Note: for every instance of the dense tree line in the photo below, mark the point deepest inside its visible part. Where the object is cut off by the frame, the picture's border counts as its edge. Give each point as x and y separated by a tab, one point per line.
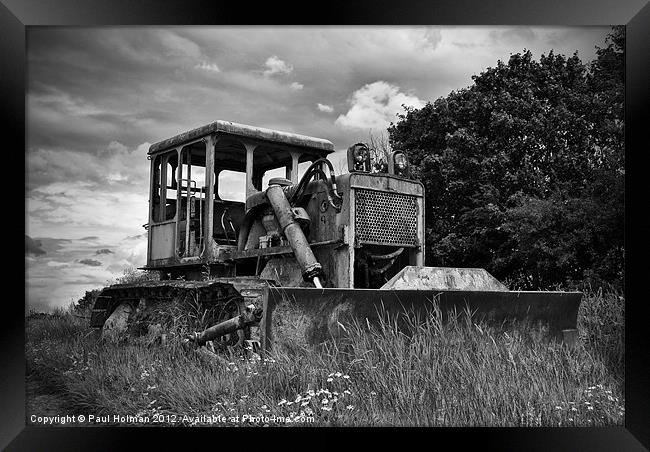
524	169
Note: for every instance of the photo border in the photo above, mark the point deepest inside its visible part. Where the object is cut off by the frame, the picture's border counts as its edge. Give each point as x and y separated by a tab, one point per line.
16	15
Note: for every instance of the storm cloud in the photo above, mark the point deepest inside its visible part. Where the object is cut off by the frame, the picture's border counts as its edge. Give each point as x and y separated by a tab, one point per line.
90	262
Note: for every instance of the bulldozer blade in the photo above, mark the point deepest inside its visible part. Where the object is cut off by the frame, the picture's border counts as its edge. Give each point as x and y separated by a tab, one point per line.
323	313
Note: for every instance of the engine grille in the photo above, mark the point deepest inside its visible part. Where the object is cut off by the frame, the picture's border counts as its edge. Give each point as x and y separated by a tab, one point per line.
386	218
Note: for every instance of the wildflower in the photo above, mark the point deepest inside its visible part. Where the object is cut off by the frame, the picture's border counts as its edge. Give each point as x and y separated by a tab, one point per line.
346	376
282	402
558	407
264	407
350	407
244	396
329	380
324	401
373	393
327	408
338	374
331	375
590	408
347	392
304	403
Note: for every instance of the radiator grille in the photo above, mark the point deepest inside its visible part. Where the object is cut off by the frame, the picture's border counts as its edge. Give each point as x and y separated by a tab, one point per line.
386	218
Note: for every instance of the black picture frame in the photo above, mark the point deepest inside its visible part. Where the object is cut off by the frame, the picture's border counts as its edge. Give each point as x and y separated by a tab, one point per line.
17	15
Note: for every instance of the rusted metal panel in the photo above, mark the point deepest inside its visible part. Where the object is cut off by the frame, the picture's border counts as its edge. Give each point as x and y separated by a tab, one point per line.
162	240
231	128
444	278
322	311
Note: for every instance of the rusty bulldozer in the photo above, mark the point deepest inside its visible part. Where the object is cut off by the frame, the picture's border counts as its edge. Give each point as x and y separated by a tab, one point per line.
331	248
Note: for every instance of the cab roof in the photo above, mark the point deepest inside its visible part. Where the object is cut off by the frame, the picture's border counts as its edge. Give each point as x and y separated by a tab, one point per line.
271	137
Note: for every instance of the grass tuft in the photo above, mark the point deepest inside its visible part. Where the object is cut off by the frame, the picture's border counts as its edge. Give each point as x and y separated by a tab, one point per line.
454	374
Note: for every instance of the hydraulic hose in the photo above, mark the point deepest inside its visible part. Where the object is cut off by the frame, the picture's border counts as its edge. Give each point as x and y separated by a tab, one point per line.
315	168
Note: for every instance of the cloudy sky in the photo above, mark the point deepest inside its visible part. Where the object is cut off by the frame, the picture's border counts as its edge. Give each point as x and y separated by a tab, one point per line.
98	97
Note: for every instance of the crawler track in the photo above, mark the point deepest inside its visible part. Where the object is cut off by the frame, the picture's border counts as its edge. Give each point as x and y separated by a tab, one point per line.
221	298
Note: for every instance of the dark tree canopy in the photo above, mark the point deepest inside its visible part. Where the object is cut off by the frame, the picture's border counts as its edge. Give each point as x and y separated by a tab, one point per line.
524	169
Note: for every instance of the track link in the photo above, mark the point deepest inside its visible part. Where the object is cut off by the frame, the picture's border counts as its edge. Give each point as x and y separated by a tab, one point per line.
205	293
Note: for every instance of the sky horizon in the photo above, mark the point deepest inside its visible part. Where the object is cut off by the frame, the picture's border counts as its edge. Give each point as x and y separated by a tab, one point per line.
97	98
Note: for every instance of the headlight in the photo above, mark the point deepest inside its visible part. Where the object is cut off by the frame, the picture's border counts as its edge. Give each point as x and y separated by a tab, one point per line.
398	164
359	158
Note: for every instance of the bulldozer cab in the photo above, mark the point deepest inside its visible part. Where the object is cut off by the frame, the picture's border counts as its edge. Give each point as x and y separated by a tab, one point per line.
200	181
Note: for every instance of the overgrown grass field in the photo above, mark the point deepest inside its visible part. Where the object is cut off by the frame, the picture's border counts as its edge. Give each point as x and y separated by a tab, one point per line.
453	374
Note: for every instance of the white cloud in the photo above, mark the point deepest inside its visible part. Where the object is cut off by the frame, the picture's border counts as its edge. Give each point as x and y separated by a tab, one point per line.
375	105
325	108
276	66
115	147
206	66
296	86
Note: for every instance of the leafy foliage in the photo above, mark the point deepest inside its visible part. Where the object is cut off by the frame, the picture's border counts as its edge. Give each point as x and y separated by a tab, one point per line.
524	169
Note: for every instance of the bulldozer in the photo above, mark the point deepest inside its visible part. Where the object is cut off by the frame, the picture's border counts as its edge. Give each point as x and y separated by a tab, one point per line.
252	223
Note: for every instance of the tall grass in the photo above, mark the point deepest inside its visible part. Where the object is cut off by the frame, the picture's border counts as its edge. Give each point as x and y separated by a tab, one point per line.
452	374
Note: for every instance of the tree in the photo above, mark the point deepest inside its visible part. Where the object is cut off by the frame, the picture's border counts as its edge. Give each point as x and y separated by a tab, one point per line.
524	169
